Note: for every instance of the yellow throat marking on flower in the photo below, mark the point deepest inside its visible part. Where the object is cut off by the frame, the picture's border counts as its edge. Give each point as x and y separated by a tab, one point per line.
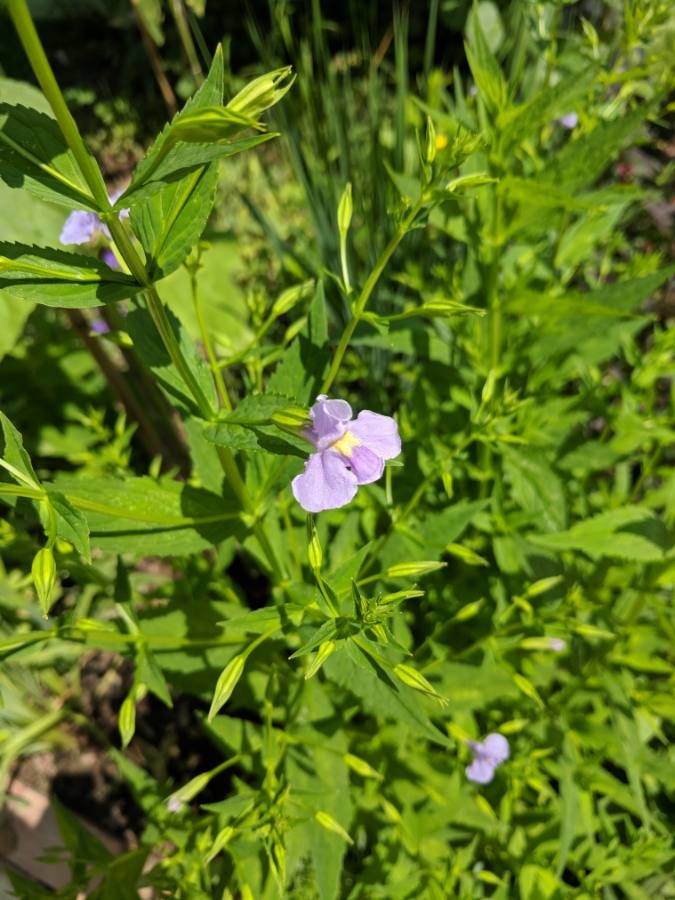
346	444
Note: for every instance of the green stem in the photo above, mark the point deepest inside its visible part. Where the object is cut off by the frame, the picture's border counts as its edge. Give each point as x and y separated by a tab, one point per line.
183	27
23	23
208	343
21	17
362	300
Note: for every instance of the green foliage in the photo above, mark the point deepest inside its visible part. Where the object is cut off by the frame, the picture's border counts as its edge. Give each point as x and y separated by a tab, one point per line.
451	253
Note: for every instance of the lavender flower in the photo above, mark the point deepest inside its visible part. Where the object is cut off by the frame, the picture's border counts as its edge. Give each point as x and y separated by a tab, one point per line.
557	644
487	755
350	452
81	226
569	120
100	326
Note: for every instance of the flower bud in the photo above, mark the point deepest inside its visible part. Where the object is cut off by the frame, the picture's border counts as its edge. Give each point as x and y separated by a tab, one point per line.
221	840
414	679
345	210
293	419
263	92
314	551
414	569
330	824
43	571
360	766
226	684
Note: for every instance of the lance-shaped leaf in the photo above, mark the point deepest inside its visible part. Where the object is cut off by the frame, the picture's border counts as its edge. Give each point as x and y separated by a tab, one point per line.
205	130
34	155
57	278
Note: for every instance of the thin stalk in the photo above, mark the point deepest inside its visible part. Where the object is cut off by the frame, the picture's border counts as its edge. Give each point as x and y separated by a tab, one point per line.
362	300
30	40
23	23
208	344
182	24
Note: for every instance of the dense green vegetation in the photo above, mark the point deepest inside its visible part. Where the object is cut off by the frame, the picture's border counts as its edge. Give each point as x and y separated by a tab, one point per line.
456	217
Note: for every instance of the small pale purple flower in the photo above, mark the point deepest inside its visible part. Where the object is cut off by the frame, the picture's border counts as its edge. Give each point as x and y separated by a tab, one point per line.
174	804
557	644
350	452
569	120
100	326
487	755
81	226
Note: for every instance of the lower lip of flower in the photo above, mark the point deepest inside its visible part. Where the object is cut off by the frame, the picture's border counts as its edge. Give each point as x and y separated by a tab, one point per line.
345	445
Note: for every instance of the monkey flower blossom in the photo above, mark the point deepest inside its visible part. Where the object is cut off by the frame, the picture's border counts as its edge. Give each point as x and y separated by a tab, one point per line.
82	226
487	755
349	452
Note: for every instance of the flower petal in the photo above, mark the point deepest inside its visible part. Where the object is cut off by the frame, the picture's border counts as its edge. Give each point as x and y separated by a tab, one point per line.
326	483
79	227
330	418
377	433
496	747
481	771
366	465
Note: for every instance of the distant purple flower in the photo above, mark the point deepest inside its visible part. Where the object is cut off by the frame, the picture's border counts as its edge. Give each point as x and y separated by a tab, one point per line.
557	644
487	755
81	226
350	452
569	120
100	326
174	804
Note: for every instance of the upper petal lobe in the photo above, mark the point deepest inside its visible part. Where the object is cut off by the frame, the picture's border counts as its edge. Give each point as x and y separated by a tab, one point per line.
378	433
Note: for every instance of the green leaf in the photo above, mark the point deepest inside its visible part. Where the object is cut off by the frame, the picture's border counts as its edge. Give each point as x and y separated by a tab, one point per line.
247	427
151	14
616	300
149	673
34	156
378	692
535	487
71	525
440	528
582	161
301	370
170	223
629	532
520	122
141	516
484	66
150	347
120	877
210	93
58	278
12	451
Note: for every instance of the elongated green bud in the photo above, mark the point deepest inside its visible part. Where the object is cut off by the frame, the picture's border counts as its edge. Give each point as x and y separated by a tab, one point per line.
400	596
290	297
322	654
221	840
418	682
43	571
263	92
126	720
294	419
226	684
314	551
345	210
361	767
414	569
432	145
326	821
